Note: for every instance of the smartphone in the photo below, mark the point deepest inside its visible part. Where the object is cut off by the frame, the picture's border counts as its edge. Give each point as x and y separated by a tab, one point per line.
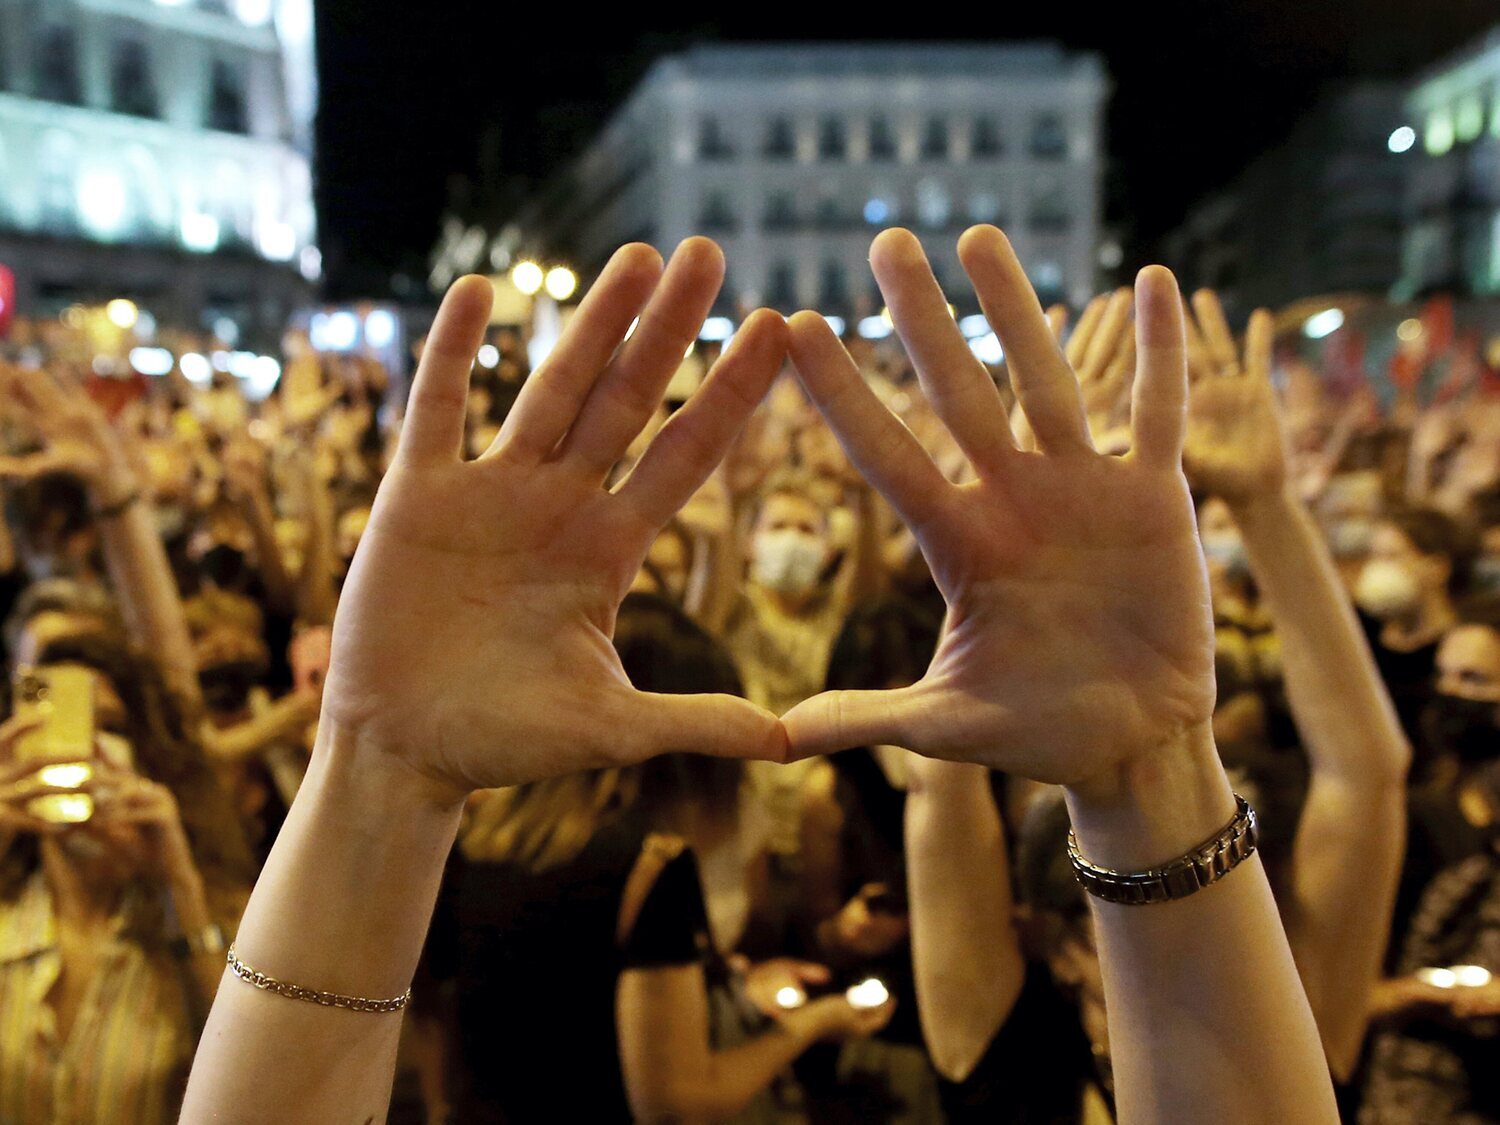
60	697
1455	976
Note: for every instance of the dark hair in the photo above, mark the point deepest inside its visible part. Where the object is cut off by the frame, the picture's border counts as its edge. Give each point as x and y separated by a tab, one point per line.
664	650
54	505
59	595
1433	533
886	640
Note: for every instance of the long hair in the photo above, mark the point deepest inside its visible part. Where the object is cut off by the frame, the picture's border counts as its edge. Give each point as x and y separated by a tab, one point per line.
545	824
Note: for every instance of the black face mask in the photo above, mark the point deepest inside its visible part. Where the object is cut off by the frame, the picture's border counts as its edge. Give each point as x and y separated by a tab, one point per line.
226	687
224	566
1462	727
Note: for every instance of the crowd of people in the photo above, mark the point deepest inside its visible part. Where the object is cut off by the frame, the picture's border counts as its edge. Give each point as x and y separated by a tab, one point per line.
734	740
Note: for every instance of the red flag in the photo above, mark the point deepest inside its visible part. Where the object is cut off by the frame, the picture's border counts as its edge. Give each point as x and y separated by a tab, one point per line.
7	299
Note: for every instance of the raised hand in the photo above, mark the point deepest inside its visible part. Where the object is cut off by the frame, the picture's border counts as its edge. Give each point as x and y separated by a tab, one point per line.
76	435
1234	447
499	579
1078	632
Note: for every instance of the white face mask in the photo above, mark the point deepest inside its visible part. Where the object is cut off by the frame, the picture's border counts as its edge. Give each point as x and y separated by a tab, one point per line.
788	561
1386	589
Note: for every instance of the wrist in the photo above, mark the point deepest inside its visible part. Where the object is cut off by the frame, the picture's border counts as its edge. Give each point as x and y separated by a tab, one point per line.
1153	808
356	769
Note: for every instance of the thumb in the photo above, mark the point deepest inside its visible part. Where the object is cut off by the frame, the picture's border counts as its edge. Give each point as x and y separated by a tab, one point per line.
838	720
723	726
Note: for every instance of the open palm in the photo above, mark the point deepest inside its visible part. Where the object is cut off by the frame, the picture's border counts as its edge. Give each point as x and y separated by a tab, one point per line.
1078	630
500	578
1234	447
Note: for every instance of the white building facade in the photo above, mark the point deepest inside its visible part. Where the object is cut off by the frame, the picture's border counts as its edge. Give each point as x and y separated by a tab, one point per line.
1452	140
793	157
161	150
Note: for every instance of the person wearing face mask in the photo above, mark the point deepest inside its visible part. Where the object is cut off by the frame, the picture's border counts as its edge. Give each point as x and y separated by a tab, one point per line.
780	632
1405	593
1434	1049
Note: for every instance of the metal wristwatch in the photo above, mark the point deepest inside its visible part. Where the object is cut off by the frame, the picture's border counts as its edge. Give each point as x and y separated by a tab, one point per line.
1199	867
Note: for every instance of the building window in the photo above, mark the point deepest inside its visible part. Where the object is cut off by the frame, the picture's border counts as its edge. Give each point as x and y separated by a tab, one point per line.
226	99
781	212
717	216
781	140
833	286
935	139
57	181
882	140
712	143
985	143
829	214
1049	139
1049	217
131	88
57	67
933	208
781	286
832	142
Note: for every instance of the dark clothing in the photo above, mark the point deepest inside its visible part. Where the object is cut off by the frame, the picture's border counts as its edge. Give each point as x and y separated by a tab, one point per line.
532	964
1036	1068
1437	837
1434	1067
1410	677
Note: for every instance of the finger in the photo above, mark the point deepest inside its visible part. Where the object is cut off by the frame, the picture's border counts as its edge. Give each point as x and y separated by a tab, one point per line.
1217	338
1043	381
956	384
722	726
697	437
551	399
1057	320
840	720
809	973
1158	413
1200	366
435	412
630	390
1259	340
1113	324
881	448
1083	332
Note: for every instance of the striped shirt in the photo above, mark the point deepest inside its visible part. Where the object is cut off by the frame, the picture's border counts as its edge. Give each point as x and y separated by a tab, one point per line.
126	1057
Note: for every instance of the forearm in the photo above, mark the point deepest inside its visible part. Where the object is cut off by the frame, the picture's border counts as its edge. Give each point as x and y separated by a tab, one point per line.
147	592
280	590
203	968
1347	854
342	905
731	1079
1202	994
316	600
965	949
1341	707
255	734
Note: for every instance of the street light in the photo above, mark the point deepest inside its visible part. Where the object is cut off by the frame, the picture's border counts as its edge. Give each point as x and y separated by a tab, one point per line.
122	313
527	277
561	283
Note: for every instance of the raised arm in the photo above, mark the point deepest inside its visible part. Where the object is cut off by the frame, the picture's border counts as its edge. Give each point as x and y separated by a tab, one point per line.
80	440
472	650
1078	650
1346	860
964	943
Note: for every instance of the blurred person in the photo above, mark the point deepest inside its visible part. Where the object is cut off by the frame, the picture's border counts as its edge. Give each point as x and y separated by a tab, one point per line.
1435	1043
112	931
1406	590
852	907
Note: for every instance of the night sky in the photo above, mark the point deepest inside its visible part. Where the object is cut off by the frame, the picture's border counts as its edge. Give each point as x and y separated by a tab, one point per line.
417	96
